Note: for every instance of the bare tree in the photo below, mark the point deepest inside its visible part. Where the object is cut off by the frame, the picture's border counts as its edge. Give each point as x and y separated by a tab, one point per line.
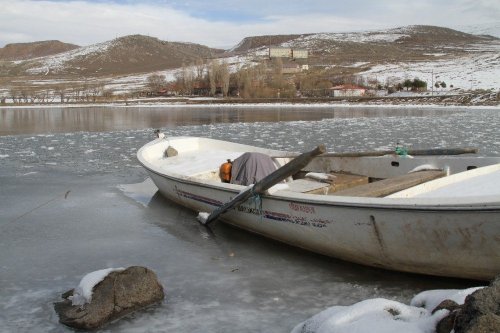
14	93
96	90
43	95
77	92
155	82
187	79
224	77
200	68
239	80
25	93
107	93
59	90
213	76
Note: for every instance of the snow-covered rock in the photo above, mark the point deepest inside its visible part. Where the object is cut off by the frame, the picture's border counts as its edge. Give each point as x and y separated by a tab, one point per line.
108	294
386	316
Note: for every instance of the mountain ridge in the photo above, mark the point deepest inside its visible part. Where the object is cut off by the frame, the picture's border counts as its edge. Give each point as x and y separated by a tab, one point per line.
24	51
127	54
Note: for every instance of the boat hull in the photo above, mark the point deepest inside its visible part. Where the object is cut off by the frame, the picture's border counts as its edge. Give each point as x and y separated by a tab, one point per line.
455	240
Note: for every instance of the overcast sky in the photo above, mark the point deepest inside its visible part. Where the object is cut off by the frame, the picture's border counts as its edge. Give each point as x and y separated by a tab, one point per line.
223	23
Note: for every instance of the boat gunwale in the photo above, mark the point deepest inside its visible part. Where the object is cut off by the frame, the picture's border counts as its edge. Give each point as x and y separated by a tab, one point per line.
400	204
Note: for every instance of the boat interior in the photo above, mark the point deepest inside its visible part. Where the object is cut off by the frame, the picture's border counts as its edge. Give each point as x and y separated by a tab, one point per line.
380	176
345	184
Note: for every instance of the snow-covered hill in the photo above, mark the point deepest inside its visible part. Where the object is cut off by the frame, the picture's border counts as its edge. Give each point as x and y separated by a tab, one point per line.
129	54
459	59
469	72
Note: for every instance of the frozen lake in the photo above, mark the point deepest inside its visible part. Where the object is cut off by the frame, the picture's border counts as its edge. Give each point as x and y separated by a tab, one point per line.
73	200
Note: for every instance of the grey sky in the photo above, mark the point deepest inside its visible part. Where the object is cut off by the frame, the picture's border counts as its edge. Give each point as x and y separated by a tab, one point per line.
223	23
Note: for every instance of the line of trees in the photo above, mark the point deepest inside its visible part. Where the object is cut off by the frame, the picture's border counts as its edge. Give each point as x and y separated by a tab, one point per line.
265	80
415	84
441	84
64	93
213	78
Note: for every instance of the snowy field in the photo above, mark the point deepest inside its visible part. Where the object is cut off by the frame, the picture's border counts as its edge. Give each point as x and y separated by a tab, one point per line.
475	71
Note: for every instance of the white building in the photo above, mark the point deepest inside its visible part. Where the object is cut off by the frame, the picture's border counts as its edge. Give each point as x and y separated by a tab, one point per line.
347	90
280	52
299	54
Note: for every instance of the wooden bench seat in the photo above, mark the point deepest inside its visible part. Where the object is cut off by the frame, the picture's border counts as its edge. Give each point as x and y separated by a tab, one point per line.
307	186
392	185
345	181
340	182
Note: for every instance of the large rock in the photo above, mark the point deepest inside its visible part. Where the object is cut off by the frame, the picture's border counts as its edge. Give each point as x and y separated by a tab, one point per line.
445	325
118	294
480	312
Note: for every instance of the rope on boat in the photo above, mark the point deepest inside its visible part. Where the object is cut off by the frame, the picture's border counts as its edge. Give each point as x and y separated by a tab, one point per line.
401	150
257	201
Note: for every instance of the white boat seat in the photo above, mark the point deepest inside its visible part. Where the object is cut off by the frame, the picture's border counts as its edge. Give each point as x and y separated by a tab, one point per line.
197	163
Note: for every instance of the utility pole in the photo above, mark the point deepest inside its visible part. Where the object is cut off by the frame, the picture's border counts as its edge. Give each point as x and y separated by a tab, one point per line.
432	83
269	46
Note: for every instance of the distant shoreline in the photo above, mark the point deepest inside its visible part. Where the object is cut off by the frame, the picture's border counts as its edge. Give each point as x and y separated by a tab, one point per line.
217	103
489	99
470	99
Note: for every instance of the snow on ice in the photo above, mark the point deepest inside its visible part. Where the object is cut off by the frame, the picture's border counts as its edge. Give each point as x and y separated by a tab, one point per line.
384	316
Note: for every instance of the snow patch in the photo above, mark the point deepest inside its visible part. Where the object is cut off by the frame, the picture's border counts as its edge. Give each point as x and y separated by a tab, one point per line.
59	61
385	316
83	293
29	173
435	54
430	299
278	187
320	176
479	70
202	217
374	316
423	167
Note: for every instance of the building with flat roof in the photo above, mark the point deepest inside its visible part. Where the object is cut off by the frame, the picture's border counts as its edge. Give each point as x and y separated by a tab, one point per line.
280	52
300	54
347	90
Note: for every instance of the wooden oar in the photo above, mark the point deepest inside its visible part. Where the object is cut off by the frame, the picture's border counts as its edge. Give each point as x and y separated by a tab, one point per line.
413	152
265	183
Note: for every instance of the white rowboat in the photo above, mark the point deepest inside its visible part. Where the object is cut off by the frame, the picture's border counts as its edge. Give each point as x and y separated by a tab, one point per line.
444	220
